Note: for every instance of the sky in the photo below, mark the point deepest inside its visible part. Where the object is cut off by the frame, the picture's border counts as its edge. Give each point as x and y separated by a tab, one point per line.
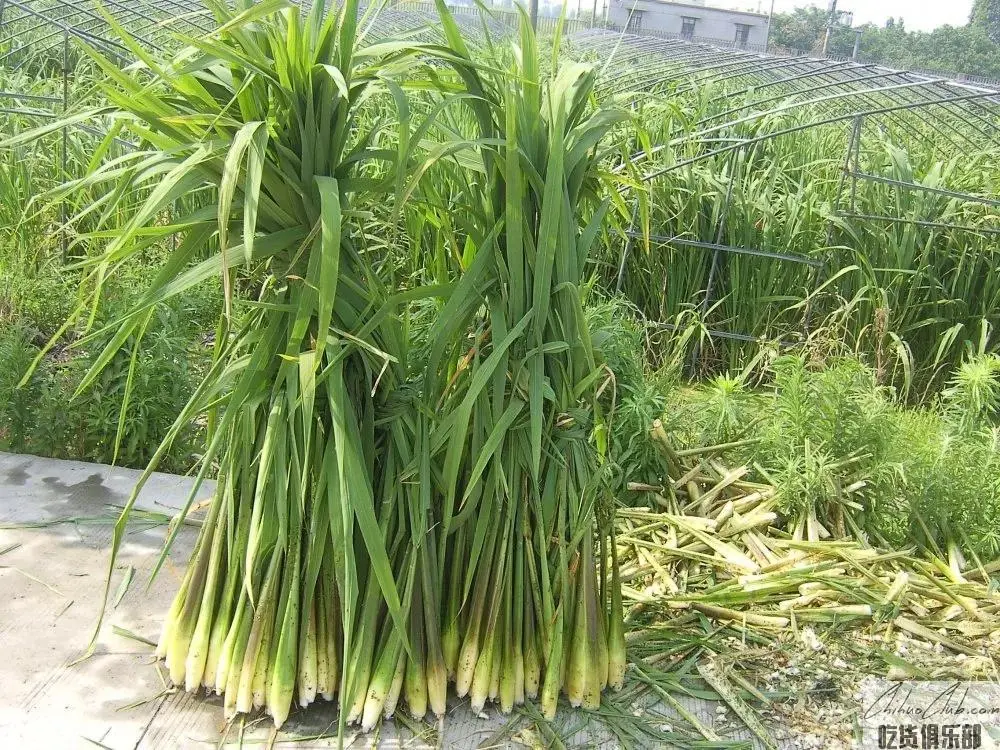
920	15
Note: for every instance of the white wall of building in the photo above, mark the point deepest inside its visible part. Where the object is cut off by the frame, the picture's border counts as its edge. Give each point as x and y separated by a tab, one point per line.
658	17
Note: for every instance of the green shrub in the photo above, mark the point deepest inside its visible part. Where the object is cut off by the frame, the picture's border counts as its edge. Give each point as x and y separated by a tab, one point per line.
43	418
35	302
949	484
16	405
633	395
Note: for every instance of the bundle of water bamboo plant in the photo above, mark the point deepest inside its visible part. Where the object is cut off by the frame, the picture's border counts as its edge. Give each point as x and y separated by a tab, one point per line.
527	611
379	525
305	565
714	542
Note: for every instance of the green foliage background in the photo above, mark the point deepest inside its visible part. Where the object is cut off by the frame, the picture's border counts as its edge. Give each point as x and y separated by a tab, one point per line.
973	49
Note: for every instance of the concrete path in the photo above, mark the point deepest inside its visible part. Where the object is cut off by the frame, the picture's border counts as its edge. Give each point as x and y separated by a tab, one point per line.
55	531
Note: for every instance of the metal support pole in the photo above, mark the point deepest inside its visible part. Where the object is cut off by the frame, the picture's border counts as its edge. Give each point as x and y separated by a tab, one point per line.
65	140
716	255
629	236
853	147
857	44
855	137
856	165
829	25
767	34
628	244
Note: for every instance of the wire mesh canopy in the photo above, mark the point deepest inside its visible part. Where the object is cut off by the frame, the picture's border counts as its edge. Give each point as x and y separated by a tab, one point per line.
725	104
39	26
751	86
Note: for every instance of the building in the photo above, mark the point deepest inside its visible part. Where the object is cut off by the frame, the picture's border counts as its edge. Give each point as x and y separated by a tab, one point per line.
690	20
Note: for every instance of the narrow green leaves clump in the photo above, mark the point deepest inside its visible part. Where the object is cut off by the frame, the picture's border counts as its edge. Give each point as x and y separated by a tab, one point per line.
383	522
301	560
525	427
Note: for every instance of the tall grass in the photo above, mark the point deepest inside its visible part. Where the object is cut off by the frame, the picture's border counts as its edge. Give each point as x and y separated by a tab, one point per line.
908	295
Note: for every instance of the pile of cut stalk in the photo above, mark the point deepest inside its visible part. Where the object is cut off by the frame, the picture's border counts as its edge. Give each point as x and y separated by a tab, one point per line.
384	524
714	543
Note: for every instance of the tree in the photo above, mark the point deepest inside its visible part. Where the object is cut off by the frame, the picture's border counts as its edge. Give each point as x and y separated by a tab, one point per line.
972	49
986	16
804	28
799	29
